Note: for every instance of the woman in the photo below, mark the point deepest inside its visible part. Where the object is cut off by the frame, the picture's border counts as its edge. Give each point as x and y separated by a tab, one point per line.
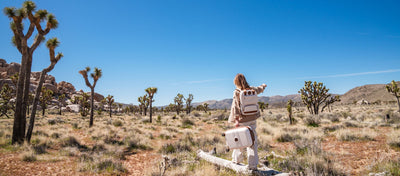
242	120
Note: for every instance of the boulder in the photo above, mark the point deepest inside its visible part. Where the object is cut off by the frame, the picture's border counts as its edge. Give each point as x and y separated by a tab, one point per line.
65	88
97	97
3	63
13	68
73	107
6	81
50	87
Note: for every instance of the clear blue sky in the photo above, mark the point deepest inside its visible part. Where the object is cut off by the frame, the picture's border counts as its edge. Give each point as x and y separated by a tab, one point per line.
198	47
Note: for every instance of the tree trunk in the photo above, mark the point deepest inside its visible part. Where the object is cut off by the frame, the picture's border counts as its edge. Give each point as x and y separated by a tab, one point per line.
34	107
239	168
26	88
110	110
398	102
60	110
27	109
43	109
151	110
19	120
91	107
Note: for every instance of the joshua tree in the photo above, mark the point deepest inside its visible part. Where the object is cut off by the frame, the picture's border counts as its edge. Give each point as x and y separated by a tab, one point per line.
83	102
110	101
5	100
146	103
200	107
261	105
47	95
395	90
20	41
178	102
330	101
205	107
51	44
314	95
141	104
120	105
61	101
170	108
96	75
289	109
151	91
189	103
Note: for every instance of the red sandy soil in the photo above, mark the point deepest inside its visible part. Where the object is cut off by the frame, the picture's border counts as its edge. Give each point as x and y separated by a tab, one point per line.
354	156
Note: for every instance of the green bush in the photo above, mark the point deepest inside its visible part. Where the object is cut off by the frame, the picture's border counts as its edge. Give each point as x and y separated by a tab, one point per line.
186	123
117	123
29	157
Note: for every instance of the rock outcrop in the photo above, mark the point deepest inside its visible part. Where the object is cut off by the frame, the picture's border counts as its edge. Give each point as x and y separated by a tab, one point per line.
63	87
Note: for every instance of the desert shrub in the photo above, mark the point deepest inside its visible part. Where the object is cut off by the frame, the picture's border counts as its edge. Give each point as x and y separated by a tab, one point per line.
117	123
346	114
301	115
312	121
40	148
171	129
145	120
307	159
278	117
307	146
394	118
98	148
55	135
175	147
110	166
28	156
168	149
348	135
100	163
52	121
71	141
220	116
187	123
55	121
333	117
111	139
158	118
388	166
40	133
286	137
394	139
350	124
205	141
75	126
332	128
196	114
69	151
266	131
134	143
165	136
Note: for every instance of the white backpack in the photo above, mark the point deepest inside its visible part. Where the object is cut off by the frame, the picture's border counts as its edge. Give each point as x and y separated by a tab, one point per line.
248	102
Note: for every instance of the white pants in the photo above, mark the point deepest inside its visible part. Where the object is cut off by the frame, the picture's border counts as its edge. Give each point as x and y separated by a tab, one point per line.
252	155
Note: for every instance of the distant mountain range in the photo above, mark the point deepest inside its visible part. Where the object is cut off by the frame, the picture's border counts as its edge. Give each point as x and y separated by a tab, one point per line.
371	93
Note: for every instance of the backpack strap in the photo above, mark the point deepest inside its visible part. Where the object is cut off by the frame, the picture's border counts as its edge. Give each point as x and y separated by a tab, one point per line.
252	135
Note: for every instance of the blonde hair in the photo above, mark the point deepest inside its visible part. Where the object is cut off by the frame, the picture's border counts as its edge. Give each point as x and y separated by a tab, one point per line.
240	82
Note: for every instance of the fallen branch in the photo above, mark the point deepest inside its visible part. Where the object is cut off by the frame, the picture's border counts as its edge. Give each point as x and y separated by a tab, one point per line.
239	168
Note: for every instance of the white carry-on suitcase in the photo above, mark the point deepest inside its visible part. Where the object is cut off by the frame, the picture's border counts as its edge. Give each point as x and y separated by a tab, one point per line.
240	137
